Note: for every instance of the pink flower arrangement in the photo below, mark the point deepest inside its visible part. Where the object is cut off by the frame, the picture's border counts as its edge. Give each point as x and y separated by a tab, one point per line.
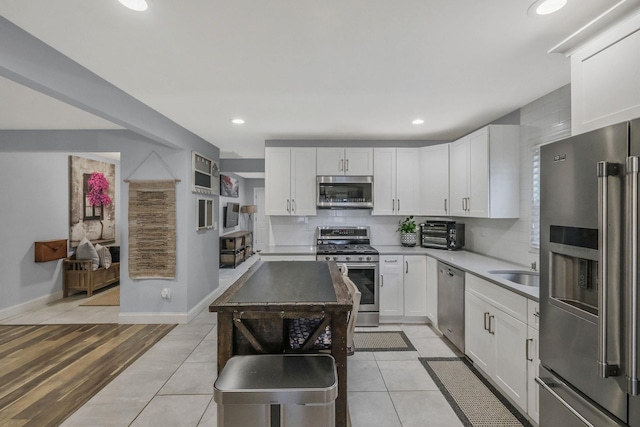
98	188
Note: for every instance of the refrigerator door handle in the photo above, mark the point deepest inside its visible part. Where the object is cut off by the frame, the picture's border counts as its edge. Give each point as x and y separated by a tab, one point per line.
549	388
605	169
632	273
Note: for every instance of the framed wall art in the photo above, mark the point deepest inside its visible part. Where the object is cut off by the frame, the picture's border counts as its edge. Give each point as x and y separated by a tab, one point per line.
229	187
91	200
206	219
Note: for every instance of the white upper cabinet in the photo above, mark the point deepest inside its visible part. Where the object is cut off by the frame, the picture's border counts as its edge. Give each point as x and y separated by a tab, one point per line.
345	161
396	184
605	88
484	173
384	181
434	180
290	181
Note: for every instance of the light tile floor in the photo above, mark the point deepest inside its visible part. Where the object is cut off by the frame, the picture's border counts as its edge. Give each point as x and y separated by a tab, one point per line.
172	384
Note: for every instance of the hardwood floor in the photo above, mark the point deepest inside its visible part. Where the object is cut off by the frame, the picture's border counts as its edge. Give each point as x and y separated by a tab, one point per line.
48	371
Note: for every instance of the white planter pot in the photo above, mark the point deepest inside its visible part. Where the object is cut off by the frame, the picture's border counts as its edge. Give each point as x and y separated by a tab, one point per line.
409	239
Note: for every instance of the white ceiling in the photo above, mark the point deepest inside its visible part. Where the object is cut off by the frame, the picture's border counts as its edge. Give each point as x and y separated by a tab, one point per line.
331	69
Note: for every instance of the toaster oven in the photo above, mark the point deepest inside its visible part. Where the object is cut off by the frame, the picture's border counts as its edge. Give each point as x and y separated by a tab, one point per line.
442	235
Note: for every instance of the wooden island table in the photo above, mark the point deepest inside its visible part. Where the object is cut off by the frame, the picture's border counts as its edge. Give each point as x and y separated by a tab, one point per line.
253	313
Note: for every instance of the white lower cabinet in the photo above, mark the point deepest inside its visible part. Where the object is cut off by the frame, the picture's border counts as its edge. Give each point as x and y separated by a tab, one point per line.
495	340
403	287
533	362
391	286
415	286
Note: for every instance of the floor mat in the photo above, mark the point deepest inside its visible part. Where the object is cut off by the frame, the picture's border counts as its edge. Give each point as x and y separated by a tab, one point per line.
382	341
476	402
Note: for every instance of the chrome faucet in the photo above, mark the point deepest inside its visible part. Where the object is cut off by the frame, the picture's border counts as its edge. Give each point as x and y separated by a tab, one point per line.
534	266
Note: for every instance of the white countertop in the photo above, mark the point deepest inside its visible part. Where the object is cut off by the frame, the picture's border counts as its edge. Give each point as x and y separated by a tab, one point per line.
473	263
289	250
470	262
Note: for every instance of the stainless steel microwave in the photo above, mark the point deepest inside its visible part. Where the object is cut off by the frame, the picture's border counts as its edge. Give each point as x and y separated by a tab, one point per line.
345	192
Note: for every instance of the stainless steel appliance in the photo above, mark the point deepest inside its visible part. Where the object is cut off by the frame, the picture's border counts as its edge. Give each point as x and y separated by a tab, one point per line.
589	279
442	235
451	303
345	192
351	246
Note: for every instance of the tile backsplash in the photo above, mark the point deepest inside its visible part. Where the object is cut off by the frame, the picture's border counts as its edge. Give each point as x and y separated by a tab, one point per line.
544	120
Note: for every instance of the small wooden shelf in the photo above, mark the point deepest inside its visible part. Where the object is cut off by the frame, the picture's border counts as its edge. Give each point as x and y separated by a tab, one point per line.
235	248
50	250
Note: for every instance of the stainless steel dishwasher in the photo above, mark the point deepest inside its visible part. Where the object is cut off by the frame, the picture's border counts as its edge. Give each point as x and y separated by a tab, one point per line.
451	303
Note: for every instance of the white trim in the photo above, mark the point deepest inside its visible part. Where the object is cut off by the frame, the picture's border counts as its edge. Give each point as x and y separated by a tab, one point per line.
172	318
25	307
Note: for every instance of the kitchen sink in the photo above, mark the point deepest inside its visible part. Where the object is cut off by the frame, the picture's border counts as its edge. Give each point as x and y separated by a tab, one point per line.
521	277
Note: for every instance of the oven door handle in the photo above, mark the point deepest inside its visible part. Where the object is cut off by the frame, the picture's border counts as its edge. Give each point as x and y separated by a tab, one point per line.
359	265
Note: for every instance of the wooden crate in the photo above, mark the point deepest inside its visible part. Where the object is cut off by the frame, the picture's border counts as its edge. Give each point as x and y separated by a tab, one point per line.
233	259
233	243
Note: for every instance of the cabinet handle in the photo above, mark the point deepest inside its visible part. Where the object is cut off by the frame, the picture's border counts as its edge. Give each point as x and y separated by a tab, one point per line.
492	331
393	205
341	164
288	206
381	280
536	314
391	260
464	208
406	263
486	320
293	205
445	205
346	165
527	342
398	205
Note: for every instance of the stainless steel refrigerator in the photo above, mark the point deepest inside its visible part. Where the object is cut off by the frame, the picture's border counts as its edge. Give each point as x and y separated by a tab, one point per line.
589	279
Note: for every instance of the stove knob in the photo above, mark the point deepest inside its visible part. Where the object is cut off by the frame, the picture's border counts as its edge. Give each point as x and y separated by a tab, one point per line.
348	258
335	258
361	258
368	258
328	258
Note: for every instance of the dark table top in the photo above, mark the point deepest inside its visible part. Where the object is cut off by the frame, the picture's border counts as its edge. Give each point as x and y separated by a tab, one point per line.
281	285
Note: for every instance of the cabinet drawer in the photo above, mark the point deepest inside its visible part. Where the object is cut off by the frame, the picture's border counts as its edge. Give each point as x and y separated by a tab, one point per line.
511	303
533	314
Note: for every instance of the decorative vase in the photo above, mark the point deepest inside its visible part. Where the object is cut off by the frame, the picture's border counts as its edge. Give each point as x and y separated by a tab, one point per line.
409	239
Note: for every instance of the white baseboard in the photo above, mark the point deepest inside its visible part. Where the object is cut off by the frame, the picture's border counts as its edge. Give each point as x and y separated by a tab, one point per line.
152	318
34	304
171	318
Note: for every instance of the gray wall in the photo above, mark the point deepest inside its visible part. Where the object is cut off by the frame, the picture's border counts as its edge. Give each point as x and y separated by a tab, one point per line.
197	252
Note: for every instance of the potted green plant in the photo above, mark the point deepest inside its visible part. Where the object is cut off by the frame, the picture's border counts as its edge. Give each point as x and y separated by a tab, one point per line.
408	231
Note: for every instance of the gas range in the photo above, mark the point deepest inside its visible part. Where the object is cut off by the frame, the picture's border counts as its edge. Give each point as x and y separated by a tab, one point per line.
352	246
345	244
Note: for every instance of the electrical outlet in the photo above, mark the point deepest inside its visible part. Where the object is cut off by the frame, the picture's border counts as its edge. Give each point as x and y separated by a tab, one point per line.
165	293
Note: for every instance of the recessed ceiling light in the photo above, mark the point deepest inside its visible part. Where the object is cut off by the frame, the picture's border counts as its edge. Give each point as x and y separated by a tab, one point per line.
545	7
137	5
237	121
418	122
